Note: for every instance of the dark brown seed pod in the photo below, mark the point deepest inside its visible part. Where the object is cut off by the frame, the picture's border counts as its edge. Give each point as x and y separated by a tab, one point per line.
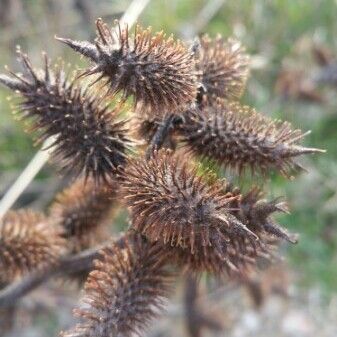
240	255
124	292
256	213
158	71
83	210
223	68
87	137
171	204
238	137
27	242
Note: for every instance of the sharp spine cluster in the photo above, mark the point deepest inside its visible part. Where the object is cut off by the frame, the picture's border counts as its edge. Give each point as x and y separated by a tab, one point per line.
172	205
27	242
124	291
256	213
83	210
223	68
240	138
158	71
88	139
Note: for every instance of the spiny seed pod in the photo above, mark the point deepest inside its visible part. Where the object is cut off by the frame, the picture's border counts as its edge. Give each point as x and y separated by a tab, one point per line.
125	290
240	138
27	242
171	204
240	256
82	210
223	68
158	72
256	213
88	139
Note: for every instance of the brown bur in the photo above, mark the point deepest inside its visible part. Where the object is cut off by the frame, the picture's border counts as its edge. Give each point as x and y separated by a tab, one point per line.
158	71
27	242
88	137
223	68
124	292
238	137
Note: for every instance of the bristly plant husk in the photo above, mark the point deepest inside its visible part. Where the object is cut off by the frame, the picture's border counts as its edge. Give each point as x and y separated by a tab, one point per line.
238	137
124	291
27	242
253	210
170	203
223	68
192	217
88	138
158	71
83	210
255	213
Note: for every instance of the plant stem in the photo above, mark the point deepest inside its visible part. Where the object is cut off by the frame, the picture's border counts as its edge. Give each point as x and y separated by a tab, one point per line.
161	135
66	266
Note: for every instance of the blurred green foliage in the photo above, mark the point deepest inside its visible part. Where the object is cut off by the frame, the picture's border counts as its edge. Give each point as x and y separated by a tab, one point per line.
275	31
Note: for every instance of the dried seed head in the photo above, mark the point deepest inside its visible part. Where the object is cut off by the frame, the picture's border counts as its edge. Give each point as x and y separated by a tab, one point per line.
239	137
158	71
223	68
88	139
171	204
124	292
27	242
82	210
256	213
240	255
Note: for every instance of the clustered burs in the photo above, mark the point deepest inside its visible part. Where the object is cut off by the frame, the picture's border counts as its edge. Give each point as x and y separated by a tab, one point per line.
206	225
169	203
182	217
